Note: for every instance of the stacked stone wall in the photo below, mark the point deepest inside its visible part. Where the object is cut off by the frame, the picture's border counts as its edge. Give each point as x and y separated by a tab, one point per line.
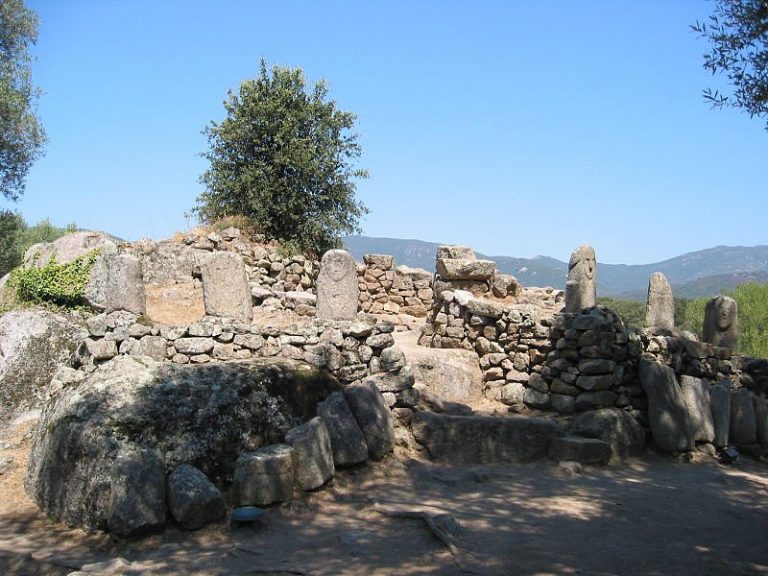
386	289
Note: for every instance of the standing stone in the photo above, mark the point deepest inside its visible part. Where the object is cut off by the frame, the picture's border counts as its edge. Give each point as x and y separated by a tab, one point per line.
743	423
721	323
761	420
581	286
312	454
347	442
697	401
265	476
660	306
720	397
337	287
225	287
373	417
193	499
670	423
137	497
125	285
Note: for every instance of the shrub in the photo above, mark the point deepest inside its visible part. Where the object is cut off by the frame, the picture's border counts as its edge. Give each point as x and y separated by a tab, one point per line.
53	283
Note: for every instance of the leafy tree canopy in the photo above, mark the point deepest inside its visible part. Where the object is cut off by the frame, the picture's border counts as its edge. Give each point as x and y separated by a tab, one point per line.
16	236
21	135
738	33
283	157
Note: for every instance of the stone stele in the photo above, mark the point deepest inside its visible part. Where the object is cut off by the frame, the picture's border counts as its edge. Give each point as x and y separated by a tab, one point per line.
581	286
660	306
337	288
721	323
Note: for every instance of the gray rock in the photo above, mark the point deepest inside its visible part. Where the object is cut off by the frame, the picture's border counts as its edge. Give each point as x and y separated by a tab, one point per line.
68	248
32	344
536	399
202	414
581	285
167	263
312	454
455	252
337	287
265	476
153	346
373	417
562	403
193	499
720	397
597	366
743	428
487	308
660	305
483	439
392	359
582	450
598	382
619	429
392	381
513	393
100	350
347	442
669	419
137	495
592	400
761	420
225	287
721	323
381	261
504	285
696	396
461	269
124	287
193	345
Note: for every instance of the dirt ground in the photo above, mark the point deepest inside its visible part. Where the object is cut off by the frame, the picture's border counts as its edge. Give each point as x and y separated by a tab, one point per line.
651	517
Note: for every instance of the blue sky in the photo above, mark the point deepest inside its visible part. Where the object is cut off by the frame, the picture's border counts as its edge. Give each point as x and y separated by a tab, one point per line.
519	128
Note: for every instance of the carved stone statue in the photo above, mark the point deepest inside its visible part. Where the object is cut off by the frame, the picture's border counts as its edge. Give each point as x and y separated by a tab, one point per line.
581	286
660	306
337	288
721	323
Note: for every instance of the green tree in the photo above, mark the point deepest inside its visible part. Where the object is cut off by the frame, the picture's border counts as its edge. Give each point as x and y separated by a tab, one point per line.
283	157
11	227
21	135
738	34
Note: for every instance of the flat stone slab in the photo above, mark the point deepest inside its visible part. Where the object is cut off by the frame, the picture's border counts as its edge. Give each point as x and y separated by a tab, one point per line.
483	439
583	450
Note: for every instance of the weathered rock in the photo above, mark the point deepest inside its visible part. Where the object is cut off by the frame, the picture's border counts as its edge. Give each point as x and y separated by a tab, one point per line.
381	261
721	323
669	419
581	286
68	248
206	415
137	495
455	252
347	442
193	345
483	440
486	308
561	403
373	417
264	476
761	420
392	381
720	397
505	285
582	450
743	428
619	429
312	454
461	269
338	292
153	346
193	499
660	305
123	288
225	287
592	400
32	344
100	350
696	396
167	263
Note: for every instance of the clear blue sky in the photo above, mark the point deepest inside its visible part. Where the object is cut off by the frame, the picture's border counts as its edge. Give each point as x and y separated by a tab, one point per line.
519	128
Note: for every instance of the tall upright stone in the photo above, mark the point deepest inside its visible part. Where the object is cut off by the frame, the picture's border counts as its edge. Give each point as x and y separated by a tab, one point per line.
660	306
337	288
581	285
721	323
668	415
225	287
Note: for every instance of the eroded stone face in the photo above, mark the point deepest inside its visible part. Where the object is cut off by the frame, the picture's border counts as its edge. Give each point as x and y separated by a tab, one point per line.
660	306
721	323
338	292
581	286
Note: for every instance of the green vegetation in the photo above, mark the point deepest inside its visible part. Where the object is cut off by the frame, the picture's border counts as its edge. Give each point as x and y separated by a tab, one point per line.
632	312
738	35
283	159
21	136
53	283
752	300
16	236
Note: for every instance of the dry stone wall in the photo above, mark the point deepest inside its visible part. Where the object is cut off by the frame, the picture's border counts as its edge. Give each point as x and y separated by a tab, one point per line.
386	289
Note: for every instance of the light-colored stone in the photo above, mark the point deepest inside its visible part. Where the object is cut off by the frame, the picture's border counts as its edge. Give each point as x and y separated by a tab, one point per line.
312	454
347	442
721	323
373	417
660	305
225	287
455	252
581	285
462	269
338	292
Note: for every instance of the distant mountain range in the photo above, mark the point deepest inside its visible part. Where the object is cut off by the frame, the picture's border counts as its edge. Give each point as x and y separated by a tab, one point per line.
695	274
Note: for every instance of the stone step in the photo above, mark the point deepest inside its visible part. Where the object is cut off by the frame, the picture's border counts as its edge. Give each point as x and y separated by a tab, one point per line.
582	450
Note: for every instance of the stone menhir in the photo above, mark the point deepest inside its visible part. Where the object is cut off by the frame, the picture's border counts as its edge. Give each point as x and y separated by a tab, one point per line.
668	414
337	288
312	454
721	323
225	287
116	283
581	286
660	306
349	447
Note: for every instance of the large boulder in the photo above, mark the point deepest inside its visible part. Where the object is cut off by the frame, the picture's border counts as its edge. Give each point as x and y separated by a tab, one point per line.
373	417
617	427
203	415
696	395
68	248
225	287
670	421
32	344
347	442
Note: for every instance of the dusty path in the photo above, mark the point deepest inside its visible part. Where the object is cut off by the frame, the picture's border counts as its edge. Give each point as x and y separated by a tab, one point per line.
652	518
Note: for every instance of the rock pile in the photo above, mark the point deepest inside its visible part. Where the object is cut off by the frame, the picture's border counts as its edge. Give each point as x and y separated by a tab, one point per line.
385	289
